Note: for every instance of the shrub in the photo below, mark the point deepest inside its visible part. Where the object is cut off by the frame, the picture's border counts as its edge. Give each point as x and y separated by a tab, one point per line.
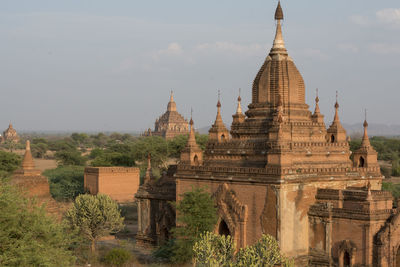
66	182
117	257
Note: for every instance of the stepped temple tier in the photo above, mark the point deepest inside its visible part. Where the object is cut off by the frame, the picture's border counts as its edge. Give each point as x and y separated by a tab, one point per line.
281	171
170	124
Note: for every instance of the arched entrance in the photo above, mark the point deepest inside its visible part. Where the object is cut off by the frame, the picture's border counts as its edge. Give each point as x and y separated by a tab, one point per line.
361	162
332	138
223	229
196	160
346	259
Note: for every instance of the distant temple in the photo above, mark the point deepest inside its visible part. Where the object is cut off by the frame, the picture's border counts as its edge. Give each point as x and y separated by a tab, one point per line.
10	134
281	171
170	124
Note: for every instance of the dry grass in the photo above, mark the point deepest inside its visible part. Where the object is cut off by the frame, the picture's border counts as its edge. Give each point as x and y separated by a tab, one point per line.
45	164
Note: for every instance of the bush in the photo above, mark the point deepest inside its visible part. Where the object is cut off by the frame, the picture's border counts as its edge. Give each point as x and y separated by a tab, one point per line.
9	162
28	236
66	182
117	257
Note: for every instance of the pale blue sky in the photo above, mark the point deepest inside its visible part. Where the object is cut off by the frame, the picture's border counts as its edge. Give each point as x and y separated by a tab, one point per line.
109	65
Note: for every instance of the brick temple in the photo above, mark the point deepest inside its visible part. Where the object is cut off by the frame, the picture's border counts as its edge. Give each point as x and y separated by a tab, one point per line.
281	171
170	124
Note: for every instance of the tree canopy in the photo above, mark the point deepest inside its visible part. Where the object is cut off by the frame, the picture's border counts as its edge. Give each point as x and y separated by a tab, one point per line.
28	237
94	217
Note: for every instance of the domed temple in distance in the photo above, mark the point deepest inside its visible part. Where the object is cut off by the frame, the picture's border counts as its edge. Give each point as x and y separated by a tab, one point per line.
10	134
170	124
281	171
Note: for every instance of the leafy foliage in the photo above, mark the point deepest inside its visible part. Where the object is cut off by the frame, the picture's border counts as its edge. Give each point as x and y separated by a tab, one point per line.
94	217
9	162
392	188
66	182
117	257
39	150
214	250
70	157
28	237
196	214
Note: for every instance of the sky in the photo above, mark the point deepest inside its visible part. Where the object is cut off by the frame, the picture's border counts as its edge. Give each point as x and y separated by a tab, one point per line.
101	65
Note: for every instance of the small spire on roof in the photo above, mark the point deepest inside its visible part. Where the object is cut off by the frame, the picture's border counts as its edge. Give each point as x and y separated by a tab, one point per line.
316	111
171	99
239	106
365	140
336	118
278	41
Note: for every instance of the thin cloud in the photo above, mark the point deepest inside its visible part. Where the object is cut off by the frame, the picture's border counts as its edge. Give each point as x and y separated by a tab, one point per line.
384	48
249	49
360	20
350	48
389	16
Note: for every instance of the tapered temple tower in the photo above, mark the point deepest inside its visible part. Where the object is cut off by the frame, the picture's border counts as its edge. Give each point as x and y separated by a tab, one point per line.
280	171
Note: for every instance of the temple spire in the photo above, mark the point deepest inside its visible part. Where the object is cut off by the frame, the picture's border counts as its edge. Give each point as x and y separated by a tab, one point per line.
316	111
365	140
278	41
192	135
218	119
171	104
27	163
336	118
239	106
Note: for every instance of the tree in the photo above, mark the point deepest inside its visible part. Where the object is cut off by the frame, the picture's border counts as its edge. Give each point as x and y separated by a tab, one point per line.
39	150
70	157
95	217
196	214
29	237
66	182
9	162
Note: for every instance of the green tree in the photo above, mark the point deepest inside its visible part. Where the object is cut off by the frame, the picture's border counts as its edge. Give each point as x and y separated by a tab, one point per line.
29	237
196	215
95	217
70	157
9	162
39	150
66	182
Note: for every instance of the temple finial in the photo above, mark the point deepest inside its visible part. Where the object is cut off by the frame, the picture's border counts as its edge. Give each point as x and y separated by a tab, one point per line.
191	117
278	41
171	99
279	12
219	98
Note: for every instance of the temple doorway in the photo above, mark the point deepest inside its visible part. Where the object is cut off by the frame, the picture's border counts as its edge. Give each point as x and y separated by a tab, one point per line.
361	162
223	229
346	259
